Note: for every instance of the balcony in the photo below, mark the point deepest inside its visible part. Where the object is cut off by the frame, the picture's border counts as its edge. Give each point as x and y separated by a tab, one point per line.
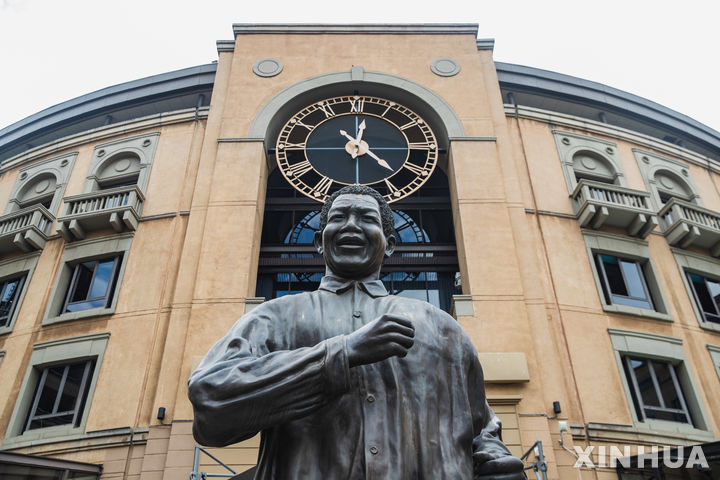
597	204
117	208
25	230
685	224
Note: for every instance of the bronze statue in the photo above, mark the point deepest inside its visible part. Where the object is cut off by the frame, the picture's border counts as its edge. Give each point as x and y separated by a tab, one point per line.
348	382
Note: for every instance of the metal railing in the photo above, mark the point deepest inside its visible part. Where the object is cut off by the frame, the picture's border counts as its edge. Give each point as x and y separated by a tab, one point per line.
35	216
677	210
610	194
96	202
540	466
196	475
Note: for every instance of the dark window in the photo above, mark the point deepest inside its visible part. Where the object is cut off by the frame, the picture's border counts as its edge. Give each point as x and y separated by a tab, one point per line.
707	296
60	395
118	182
9	293
623	281
656	391
423	266
92	284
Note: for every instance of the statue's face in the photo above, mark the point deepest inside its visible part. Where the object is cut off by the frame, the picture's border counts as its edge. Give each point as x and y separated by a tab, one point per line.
353	243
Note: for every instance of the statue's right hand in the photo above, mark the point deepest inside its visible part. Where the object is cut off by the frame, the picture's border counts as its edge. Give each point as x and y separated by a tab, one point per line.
387	336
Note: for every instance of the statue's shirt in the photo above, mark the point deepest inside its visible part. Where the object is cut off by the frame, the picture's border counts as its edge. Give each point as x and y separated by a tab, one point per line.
282	370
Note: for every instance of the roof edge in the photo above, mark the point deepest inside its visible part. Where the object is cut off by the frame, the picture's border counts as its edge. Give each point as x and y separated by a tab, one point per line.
357	28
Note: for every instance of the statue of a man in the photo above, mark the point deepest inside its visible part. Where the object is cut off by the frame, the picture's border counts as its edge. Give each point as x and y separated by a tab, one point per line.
348	382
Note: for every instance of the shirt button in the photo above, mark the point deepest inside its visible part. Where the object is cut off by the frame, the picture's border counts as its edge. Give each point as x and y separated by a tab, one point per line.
356	314
370	398
374	450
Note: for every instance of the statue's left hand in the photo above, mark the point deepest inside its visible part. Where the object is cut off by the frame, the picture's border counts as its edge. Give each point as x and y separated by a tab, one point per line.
504	468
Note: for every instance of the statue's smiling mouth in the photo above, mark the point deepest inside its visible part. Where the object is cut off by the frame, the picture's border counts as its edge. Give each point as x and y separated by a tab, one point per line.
351	242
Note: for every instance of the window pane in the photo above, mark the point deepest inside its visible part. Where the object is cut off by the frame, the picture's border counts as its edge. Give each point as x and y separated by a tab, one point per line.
82	281
667	387
49	391
103	277
51	421
8	292
72	387
76	307
633	278
669	416
614	275
645	383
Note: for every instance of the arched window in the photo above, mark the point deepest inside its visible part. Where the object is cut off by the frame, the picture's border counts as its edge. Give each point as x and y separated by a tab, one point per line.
670	185
39	190
423	265
118	171
589	165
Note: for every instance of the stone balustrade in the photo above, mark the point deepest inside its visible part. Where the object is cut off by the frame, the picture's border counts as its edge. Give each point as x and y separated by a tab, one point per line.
597	204
685	224
25	230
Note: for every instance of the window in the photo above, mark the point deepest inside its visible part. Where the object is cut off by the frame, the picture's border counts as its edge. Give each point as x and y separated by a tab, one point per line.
60	395
623	281
15	275
57	390
9	294
666	179
655	390
702	282
625	276
90	278
92	284
707	296
660	389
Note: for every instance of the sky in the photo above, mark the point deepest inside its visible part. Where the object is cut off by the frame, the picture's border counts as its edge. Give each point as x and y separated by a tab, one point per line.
55	50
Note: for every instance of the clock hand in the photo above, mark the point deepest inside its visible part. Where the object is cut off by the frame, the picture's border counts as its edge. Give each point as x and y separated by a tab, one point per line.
380	161
360	132
354	143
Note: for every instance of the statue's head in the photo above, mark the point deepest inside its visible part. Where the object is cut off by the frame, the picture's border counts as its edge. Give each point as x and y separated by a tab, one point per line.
356	232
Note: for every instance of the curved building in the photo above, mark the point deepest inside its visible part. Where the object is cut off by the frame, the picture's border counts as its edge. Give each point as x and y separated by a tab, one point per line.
572	229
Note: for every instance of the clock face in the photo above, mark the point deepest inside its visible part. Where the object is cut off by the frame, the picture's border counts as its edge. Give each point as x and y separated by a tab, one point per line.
356	139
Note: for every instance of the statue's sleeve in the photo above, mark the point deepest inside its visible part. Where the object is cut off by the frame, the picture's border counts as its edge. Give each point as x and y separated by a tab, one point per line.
487	428
244	384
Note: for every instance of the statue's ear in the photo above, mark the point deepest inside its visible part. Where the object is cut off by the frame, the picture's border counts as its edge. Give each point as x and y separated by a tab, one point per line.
317	241
391	242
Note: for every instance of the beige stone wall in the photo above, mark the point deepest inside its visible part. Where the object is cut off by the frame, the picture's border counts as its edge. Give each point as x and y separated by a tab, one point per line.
193	263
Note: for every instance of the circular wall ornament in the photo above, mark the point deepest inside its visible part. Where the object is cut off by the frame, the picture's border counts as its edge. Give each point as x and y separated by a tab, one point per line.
100	153
122	165
609	150
64	163
267	67
666	182
685	172
146	142
589	163
23	176
42	186
445	67
566	141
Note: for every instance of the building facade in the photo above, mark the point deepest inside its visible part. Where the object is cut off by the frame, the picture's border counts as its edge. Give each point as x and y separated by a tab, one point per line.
573	230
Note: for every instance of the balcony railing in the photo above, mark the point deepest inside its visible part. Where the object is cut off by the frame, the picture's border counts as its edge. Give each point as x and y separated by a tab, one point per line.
117	208
685	224
597	204
25	230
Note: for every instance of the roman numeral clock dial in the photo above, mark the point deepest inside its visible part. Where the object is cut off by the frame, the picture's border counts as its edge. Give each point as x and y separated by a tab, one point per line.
356	140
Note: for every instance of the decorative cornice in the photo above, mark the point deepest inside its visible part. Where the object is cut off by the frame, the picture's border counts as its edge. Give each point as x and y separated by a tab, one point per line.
225	45
70	340
358	28
645	335
485	44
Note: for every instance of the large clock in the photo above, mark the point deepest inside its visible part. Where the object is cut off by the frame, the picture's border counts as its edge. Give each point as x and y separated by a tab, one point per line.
356	140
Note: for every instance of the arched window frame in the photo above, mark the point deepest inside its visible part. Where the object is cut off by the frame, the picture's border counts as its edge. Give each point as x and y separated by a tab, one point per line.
570	144
651	165
141	146
58	167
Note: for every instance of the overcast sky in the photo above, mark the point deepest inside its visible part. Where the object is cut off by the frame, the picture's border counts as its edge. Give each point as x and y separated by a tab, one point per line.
54	50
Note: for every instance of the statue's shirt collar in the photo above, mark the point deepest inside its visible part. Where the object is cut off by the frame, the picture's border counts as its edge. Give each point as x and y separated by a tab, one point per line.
331	283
